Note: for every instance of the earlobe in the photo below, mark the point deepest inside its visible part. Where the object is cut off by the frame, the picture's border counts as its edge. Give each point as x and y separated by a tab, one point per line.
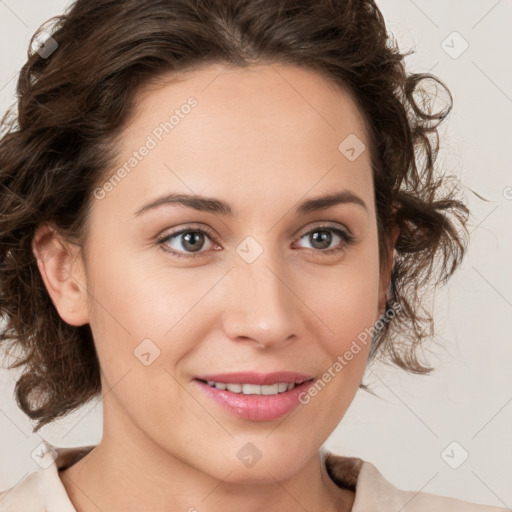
61	268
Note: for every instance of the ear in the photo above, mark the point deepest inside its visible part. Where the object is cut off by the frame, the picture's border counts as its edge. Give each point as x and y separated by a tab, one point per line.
385	277
61	267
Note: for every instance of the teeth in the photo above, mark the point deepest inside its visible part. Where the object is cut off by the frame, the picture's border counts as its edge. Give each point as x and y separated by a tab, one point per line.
253	389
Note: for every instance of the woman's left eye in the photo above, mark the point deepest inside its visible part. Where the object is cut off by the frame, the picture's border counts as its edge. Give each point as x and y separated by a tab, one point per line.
188	242
321	238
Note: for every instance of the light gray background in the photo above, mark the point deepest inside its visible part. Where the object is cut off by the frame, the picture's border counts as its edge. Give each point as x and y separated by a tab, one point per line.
468	399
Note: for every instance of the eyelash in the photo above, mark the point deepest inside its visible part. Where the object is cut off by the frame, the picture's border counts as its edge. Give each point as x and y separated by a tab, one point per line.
347	238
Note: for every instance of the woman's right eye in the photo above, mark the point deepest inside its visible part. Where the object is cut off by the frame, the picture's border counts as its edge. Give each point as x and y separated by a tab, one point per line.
184	240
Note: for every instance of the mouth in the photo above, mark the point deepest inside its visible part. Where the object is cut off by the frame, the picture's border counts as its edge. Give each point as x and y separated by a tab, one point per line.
256	397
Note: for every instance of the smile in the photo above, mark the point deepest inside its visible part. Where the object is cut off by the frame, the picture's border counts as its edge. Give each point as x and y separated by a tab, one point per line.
254	396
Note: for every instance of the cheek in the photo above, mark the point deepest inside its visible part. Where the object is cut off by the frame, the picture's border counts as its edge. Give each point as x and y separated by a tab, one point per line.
133	301
350	315
347	306
126	297
345	298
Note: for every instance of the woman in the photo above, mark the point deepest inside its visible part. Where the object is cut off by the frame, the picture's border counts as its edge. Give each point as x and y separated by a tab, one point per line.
215	213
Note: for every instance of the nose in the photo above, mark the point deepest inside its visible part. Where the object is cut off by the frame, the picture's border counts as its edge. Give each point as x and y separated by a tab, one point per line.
262	308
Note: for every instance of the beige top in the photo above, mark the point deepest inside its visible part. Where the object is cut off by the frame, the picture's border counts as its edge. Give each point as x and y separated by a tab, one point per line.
43	491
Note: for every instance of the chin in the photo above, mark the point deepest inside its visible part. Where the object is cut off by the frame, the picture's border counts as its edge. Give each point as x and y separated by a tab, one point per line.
253	466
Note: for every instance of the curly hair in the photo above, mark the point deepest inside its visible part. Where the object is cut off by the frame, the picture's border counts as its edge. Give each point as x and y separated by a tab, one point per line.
74	102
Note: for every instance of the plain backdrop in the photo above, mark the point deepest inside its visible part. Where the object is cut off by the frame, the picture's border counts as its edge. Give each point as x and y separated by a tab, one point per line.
419	427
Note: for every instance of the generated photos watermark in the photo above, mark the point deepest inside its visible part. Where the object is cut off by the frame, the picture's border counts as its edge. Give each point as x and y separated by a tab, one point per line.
152	140
344	359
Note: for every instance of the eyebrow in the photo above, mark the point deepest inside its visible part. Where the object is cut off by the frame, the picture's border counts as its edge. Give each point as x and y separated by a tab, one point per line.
217	206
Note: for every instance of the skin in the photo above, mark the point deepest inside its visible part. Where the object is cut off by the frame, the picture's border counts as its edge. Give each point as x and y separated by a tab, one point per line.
262	139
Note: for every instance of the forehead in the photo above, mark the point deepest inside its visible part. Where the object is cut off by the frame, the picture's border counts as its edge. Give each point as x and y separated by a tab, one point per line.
218	130
274	96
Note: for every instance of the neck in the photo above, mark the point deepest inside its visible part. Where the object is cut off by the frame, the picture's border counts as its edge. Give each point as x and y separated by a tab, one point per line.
129	472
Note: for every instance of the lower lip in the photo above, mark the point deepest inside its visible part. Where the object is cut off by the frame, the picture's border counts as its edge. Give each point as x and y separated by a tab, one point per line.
257	407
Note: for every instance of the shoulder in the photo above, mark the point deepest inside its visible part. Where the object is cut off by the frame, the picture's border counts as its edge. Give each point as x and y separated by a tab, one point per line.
43	490
373	492
27	495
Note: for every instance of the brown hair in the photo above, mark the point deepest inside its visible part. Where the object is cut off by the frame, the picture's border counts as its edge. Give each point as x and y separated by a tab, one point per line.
74	102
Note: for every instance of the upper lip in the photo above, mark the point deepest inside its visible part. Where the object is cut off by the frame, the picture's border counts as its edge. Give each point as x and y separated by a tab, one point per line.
261	379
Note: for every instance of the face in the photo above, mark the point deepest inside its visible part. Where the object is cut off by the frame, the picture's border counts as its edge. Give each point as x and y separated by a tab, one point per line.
256	279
